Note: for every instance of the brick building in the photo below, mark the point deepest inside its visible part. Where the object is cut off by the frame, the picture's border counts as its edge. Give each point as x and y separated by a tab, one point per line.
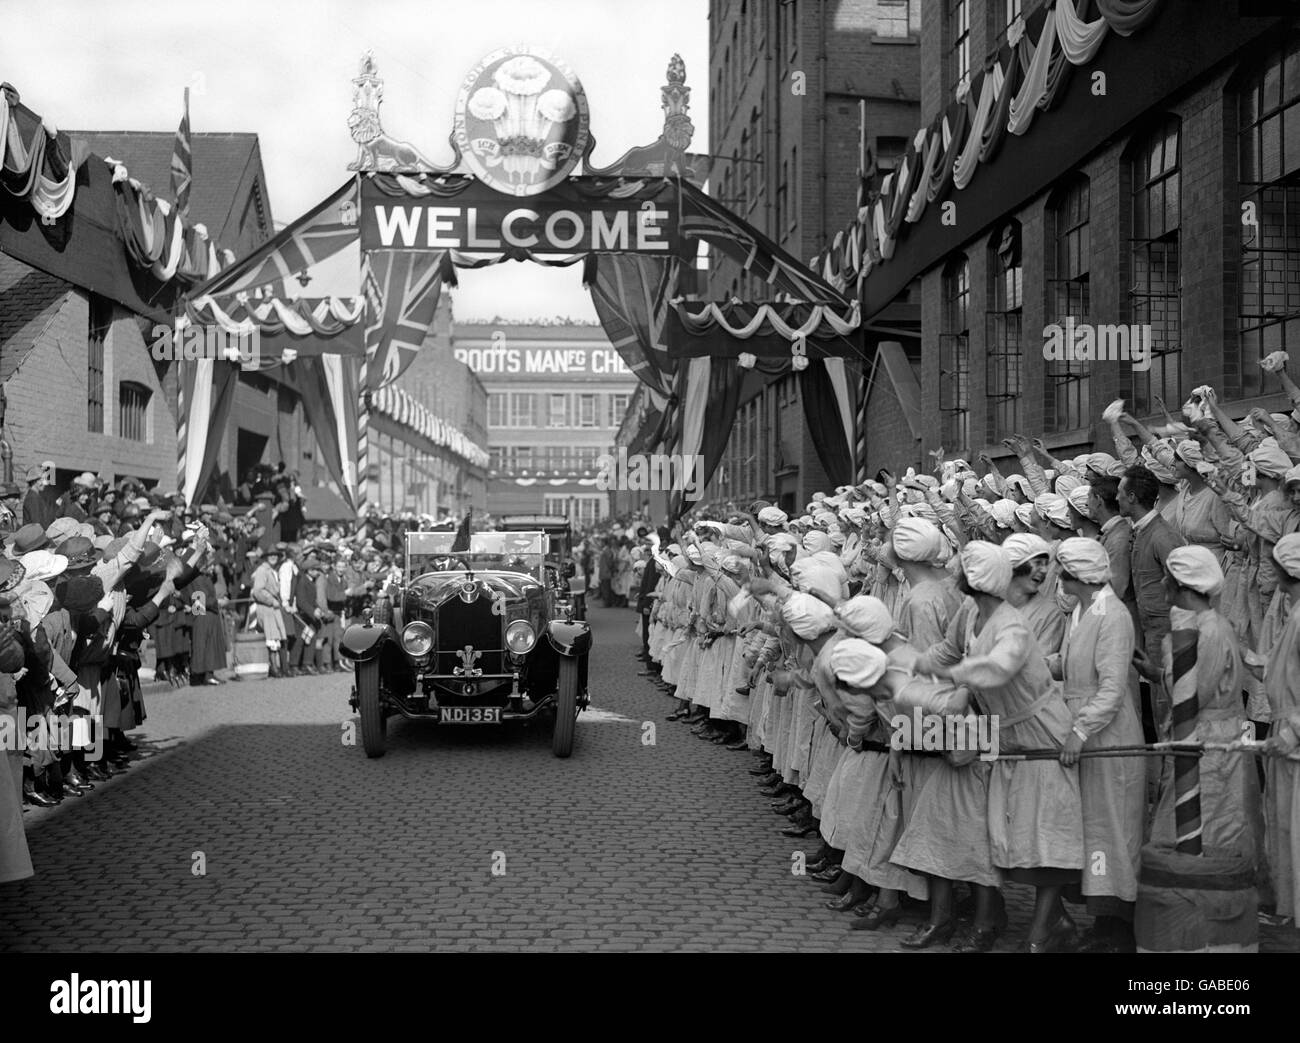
802	96
229	196
557	394
1157	190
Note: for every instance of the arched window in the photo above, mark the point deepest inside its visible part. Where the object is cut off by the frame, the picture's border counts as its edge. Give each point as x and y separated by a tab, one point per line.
1004	331
1069	263
1155	296
954	356
1269	172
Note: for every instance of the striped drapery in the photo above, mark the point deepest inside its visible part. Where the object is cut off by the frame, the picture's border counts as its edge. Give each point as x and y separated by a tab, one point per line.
205	395
328	385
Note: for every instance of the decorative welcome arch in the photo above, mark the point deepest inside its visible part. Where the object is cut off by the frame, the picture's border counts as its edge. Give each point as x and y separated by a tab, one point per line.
514	192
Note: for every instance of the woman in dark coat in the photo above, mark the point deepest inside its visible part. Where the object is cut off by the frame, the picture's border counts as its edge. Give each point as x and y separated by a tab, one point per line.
207	634
171	638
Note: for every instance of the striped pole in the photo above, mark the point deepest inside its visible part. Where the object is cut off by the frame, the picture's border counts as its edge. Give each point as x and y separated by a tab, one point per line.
182	425
1187	770
363	437
860	448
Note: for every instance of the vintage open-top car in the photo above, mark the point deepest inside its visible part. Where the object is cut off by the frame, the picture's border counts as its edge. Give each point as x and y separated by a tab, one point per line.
478	636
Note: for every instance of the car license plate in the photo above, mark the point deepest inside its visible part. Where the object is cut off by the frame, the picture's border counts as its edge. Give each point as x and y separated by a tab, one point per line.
470	715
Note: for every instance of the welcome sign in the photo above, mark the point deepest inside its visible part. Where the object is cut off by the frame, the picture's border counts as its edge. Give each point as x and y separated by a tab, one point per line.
562	221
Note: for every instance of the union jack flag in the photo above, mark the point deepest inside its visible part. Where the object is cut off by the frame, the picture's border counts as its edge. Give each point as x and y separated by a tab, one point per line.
402	288
182	162
318	235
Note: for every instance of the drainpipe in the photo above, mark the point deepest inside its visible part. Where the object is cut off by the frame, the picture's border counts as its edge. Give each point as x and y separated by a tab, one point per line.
6	452
823	93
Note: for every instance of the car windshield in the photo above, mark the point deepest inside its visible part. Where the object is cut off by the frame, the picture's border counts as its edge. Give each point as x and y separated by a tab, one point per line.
510	551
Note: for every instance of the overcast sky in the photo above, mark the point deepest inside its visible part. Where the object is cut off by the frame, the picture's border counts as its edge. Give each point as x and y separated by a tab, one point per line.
283	69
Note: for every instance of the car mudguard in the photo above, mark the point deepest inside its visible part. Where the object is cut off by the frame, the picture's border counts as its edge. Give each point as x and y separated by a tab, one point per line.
569	637
364	641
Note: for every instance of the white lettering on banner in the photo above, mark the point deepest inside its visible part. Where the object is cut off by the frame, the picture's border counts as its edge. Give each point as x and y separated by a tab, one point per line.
647	227
606	234
542	360
473	236
439	221
470	227
393	217
572	218
507	227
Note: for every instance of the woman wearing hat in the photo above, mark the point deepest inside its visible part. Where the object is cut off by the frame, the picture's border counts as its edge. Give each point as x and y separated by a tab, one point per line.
1230	805
170	634
1034	819
1282	769
265	592
207	632
1033	588
1095	663
1263	509
15	858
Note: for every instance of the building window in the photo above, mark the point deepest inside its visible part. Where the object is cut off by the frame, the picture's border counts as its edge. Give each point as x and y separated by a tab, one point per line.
744	168
515	458
133	411
1156	294
1269	157
893	18
782	197
559	411
617	410
954	356
101	318
1003	332
1068	298
792	217
522	413
959	42
889	153
588	416
1002	13
581	509
791	13
498	409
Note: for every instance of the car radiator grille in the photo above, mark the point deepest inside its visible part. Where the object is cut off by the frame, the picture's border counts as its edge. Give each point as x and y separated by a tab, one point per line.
474	624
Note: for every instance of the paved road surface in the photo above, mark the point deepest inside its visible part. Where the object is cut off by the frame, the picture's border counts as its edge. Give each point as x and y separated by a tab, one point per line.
309	846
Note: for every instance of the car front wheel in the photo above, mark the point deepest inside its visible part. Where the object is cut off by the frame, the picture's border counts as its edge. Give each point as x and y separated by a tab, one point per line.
373	724
566	708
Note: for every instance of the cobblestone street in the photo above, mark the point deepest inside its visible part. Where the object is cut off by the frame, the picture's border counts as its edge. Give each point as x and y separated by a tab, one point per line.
310	846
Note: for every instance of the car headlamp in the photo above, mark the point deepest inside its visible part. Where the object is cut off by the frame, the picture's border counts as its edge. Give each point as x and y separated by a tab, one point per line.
520	637
417	638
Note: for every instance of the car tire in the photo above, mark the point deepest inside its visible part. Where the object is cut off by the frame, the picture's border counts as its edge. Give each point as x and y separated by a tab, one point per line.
374	725
566	707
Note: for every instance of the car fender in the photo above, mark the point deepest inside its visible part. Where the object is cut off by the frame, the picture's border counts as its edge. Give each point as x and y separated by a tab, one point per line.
569	637
365	641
